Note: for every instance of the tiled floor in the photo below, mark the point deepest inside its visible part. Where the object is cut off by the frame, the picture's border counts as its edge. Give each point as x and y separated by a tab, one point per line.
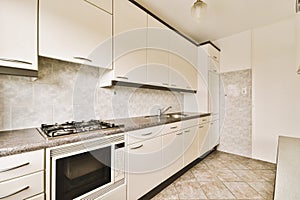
223	176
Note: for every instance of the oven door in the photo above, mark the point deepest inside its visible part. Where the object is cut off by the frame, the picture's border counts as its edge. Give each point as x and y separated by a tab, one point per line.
84	170
81	173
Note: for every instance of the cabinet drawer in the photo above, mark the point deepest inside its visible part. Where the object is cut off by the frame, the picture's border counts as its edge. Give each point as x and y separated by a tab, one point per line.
189	123
143	134
204	119
172	127
23	187
21	164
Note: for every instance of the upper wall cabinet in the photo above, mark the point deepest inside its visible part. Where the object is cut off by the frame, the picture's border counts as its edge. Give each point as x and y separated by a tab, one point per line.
18	36
77	31
130	40
214	57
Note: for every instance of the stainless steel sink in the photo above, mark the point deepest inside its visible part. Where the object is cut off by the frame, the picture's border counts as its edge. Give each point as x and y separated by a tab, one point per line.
166	116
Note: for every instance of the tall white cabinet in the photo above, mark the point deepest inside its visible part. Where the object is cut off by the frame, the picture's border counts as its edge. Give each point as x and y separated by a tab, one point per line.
18	35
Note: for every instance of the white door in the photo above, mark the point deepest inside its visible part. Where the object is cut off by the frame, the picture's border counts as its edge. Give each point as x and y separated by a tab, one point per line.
144	167
172	153
75	31
191	144
18	35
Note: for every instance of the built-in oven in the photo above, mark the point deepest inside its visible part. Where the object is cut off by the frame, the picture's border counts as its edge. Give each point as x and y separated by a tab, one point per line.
86	169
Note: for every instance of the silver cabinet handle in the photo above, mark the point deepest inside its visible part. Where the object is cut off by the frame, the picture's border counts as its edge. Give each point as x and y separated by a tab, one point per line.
204	120
81	58
201	126
212	123
179	133
187	131
145	134
165	83
122	77
21	190
12	168
173	127
16	61
140	146
215	57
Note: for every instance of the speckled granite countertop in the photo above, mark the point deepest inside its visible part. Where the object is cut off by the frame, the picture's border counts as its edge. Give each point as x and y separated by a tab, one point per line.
24	140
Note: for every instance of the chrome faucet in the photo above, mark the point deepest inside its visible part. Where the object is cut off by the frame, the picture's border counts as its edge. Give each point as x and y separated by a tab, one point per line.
162	111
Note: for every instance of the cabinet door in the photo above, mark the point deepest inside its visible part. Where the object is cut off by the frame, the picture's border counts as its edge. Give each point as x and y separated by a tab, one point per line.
214	92
191	145
144	167
172	153
103	4
203	138
75	31
182	74
18	36
214	134
130	41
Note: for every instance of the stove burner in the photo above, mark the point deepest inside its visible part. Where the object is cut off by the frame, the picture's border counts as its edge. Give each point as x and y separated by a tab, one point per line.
75	127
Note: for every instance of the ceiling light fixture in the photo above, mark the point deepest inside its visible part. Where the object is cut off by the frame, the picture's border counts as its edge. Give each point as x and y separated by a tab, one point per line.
198	8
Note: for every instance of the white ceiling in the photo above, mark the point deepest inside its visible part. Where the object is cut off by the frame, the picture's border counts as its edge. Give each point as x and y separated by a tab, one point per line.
223	17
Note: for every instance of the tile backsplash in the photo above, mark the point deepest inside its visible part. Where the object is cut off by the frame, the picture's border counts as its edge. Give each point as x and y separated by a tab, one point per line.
236	113
67	91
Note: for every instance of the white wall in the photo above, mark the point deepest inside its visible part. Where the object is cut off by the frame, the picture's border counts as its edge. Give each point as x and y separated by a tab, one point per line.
235	52
276	87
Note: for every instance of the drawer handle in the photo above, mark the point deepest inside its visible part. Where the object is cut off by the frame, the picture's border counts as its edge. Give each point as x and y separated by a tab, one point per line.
81	58
16	61
21	190
187	131
173	85
122	77
165	83
212	123
173	127
179	133
204	120
12	168
201	126
140	146
145	134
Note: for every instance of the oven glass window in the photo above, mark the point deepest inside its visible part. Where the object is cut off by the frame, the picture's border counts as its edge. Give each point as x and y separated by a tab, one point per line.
82	173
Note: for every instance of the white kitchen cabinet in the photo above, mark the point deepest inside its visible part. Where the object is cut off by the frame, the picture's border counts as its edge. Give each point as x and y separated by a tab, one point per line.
76	31
157	53
18	37
22	175
212	52
214	134
115	194
182	74
203	134
144	162
130	41
191	144
172	153
214	92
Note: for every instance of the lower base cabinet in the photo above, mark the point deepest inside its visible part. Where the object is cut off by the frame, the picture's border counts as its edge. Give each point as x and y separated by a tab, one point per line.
191	145
203	133
144	167
214	133
172	153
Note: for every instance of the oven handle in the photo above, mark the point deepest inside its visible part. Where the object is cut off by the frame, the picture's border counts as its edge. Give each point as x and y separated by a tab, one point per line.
14	193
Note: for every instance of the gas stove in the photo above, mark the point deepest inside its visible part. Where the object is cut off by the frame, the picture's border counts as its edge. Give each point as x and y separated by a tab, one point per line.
67	128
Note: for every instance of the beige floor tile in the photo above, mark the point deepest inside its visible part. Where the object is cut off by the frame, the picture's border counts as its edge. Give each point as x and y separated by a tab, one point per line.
216	190
265	189
204	175
242	190
266	174
234	165
189	190
257	164
214	164
188	176
227	175
168	193
248	175
201	165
